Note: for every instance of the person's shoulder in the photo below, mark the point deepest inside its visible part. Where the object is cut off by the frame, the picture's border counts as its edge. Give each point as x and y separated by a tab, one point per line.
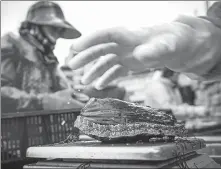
10	44
8	39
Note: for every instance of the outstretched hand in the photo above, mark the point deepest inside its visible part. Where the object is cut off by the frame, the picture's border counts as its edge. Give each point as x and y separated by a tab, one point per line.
189	44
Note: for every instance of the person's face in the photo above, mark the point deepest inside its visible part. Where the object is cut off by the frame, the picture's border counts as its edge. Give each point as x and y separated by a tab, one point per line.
52	33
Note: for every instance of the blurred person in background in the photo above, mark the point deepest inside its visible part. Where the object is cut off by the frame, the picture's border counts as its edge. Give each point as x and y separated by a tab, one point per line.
162	90
209	95
30	79
170	90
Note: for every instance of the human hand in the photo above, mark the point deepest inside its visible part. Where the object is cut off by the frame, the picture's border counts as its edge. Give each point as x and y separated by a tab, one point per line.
189	44
61	100
72	95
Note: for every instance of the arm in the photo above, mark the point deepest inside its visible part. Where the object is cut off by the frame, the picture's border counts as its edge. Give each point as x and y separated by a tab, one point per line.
214	14
14	99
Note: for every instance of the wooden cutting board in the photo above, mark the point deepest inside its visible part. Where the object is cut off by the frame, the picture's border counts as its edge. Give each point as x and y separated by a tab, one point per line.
95	150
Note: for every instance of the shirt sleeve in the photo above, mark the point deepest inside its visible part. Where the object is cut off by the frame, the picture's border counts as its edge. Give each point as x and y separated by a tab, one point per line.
214	14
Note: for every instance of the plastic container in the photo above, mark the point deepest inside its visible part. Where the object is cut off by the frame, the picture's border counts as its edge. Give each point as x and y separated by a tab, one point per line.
24	129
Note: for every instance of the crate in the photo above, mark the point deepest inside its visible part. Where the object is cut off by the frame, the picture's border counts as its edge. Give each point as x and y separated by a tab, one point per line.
24	129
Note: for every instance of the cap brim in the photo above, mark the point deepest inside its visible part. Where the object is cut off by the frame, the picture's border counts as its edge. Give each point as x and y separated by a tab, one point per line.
70	32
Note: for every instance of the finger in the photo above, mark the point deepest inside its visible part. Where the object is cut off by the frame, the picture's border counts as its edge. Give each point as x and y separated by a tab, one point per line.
96	38
102	65
110	75
157	50
91	54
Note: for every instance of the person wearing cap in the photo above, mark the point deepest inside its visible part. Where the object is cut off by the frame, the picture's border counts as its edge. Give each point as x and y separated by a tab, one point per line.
191	45
29	72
